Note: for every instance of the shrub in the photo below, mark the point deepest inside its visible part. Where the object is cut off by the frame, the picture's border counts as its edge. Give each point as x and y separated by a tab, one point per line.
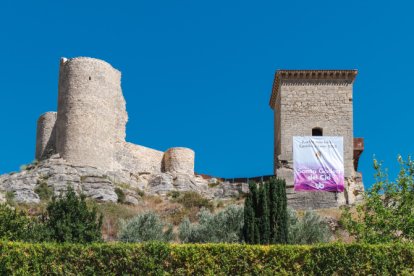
10	197
121	195
14	225
174	194
140	192
224	227
207	259
309	229
68	219
194	199
144	227
43	190
387	213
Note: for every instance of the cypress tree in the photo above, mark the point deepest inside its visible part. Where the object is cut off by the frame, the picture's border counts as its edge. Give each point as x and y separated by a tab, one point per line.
282	214
264	214
255	200
273	210
249	220
256	206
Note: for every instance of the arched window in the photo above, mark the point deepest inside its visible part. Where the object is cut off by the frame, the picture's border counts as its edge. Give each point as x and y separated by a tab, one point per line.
317	131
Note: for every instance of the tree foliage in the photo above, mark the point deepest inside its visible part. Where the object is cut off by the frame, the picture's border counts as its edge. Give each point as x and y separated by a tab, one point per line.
145	227
69	219
265	213
14	225
387	213
223	227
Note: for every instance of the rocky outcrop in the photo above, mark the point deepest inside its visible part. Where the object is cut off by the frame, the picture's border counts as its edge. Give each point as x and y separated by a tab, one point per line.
56	175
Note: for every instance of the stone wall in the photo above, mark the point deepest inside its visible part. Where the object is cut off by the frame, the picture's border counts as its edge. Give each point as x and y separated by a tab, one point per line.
46	134
139	159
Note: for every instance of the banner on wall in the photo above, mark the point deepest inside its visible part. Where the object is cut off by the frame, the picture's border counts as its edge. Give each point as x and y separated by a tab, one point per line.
318	163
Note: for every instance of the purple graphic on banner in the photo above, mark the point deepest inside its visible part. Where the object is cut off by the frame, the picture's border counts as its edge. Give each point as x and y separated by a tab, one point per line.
318	163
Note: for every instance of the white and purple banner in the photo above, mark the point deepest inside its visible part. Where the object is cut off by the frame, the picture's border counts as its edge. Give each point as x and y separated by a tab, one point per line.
318	163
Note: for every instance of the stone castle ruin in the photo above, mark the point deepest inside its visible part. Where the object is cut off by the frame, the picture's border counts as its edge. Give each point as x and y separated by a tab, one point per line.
83	143
89	127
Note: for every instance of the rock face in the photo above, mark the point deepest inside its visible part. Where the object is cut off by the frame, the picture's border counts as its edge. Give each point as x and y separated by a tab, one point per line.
56	174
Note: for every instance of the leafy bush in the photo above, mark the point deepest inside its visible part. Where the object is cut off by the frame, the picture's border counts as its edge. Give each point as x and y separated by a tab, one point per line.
194	199
206	259
144	227
14	225
387	213
226	226
68	219
309	229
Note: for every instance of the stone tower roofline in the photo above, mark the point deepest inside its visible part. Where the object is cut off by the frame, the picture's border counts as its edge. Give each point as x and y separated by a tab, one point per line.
326	75
64	61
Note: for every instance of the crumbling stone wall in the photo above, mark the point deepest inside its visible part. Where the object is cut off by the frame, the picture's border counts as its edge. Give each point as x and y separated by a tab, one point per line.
136	158
46	135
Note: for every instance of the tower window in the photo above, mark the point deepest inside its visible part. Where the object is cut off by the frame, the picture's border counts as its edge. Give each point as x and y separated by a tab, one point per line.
317	131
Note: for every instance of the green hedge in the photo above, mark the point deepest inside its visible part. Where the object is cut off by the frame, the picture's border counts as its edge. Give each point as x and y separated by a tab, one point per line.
208	259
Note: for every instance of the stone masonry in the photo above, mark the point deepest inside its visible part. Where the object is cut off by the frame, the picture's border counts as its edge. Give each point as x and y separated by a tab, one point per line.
90	126
307	100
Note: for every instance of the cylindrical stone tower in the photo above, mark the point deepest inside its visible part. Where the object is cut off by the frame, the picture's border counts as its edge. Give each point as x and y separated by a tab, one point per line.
91	115
179	160
45	136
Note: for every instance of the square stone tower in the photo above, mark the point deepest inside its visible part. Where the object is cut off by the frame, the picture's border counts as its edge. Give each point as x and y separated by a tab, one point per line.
313	103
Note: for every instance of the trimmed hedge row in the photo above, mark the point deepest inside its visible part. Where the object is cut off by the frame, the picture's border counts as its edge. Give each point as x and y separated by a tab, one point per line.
207	259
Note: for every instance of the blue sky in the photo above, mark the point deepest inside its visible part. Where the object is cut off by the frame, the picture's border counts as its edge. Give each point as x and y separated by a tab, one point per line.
199	73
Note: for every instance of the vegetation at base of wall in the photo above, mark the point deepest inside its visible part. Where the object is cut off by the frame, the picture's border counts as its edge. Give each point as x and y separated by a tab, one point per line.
207	259
223	227
265	213
387	213
145	227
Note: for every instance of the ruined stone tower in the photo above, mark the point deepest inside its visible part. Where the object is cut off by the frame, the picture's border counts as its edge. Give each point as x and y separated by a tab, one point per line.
89	127
91	114
314	103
